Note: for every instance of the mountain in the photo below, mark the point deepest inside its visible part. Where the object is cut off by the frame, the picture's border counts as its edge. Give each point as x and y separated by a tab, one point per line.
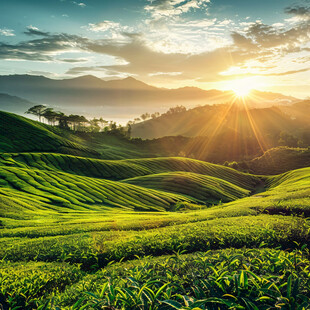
89	94
14	104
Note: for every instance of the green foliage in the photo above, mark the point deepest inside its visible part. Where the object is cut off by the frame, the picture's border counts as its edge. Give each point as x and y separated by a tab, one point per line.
279	160
23	285
208	189
72	227
227	279
19	134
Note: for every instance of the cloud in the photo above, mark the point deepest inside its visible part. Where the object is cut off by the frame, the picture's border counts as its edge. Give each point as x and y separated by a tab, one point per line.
168	8
7	32
90	69
103	26
80	4
287	72
34	31
297	10
42	49
165	73
268	37
73	60
204	66
140	56
44	73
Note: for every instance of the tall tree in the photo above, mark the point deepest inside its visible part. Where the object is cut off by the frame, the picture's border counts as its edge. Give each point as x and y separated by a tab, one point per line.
37	110
50	115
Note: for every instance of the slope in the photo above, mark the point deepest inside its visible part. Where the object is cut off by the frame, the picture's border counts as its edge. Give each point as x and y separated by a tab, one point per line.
217	119
279	160
14	104
208	189
125	169
45	191
19	134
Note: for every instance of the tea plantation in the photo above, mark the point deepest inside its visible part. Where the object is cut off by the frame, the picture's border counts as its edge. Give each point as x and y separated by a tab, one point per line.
80	231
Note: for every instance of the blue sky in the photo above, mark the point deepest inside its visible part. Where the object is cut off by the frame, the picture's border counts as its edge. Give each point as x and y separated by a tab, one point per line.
171	43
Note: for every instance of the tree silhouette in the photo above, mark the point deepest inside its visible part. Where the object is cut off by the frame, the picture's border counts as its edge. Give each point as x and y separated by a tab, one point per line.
37	110
50	115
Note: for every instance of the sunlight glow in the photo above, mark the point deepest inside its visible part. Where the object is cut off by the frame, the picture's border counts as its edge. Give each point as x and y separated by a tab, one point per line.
242	88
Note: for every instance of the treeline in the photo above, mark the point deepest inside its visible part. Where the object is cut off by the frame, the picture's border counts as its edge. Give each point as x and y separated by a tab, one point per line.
145	116
77	123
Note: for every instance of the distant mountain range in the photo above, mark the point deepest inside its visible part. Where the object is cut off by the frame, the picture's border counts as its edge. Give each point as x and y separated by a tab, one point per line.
14	104
94	96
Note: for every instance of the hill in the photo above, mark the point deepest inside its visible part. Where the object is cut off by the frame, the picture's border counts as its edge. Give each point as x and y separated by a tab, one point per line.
85	229
14	104
62	234
108	98
279	160
210	120
19	134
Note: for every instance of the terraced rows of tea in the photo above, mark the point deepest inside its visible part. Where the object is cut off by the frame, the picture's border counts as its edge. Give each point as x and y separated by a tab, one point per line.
19	134
124	169
203	187
59	181
147	233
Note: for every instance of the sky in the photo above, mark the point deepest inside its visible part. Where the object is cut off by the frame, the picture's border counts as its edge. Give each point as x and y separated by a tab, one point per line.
264	44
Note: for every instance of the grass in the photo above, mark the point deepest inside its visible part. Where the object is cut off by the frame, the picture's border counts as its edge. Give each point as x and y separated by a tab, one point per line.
146	233
35	189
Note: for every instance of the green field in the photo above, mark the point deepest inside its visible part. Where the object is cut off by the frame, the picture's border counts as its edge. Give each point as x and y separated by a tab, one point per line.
79	230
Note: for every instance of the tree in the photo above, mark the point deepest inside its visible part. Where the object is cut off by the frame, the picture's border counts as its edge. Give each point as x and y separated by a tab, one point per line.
37	110
50	115
103	122
177	109
145	116
63	120
129	130
155	115
286	139
94	126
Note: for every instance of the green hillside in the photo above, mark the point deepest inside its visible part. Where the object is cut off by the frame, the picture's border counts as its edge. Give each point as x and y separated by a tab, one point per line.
279	160
124	169
211	190
20	134
217	119
87	230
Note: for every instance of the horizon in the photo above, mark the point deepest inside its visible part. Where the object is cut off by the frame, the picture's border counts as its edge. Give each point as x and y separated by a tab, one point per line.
196	43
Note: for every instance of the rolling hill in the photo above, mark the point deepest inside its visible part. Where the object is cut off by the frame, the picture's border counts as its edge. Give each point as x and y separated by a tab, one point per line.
80	229
20	134
279	160
210	120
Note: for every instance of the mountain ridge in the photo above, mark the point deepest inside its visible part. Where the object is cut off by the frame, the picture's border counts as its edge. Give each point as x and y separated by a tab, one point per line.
100	96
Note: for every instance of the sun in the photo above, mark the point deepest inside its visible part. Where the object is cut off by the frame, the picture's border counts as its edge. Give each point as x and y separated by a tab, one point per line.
242	91
242	87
